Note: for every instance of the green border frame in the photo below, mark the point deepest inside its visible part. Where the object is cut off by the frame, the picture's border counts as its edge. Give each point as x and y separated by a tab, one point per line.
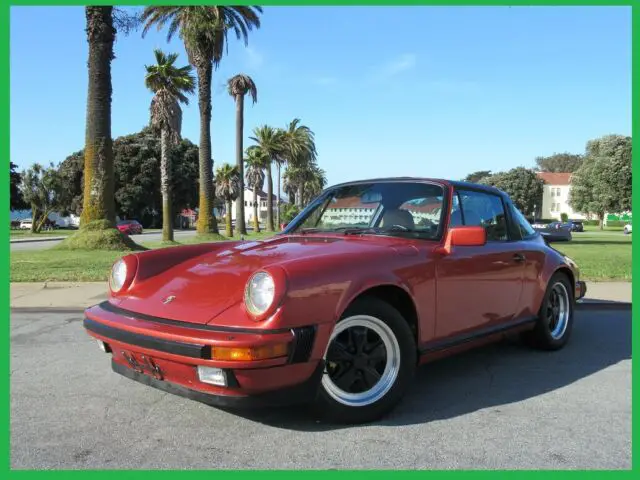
370	475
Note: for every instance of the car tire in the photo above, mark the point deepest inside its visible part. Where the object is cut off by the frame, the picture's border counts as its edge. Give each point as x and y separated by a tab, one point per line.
389	331
555	318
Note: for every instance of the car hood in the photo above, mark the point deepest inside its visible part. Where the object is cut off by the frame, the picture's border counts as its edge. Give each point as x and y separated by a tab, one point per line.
205	286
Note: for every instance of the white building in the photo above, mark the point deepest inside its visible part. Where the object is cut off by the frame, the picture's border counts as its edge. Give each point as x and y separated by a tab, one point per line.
555	197
248	206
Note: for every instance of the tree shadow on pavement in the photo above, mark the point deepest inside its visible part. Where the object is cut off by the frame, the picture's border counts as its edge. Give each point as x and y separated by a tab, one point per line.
490	377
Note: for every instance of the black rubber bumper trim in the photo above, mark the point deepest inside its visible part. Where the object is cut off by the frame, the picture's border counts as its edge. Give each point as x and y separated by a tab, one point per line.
194	326
145	341
300	393
583	289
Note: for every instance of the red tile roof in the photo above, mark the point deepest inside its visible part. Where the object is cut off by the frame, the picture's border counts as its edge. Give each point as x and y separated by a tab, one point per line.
553	178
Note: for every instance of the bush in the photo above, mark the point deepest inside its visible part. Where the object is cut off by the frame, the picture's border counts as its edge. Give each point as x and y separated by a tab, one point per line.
564	217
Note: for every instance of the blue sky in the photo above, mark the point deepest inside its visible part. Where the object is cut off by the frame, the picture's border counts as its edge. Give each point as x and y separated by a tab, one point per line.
419	91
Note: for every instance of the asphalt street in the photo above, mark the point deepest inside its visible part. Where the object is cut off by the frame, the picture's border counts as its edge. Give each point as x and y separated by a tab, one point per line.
502	406
150	237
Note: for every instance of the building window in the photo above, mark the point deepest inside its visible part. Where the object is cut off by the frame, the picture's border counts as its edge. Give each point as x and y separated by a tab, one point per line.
553	194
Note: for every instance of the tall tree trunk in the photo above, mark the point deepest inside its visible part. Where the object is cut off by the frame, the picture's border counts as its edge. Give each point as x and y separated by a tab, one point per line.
300	193
35	214
98	200
269	199
240	223
292	197
206	219
165	186
278	198
229	225
256	218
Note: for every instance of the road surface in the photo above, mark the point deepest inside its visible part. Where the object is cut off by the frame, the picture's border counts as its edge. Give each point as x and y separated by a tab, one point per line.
149	237
503	406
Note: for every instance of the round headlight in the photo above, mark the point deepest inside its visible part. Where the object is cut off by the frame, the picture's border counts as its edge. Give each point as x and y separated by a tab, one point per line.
260	292
118	275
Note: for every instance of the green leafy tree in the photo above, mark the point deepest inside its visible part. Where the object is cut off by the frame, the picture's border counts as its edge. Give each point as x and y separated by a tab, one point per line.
475	177
227	188
271	144
137	177
203	30
522	185
256	162
603	183
15	195
239	86
41	189
170	85
559	162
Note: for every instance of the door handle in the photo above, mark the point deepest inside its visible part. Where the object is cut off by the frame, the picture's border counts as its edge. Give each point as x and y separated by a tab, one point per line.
518	257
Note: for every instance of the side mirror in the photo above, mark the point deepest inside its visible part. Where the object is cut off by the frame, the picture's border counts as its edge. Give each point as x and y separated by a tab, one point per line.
463	237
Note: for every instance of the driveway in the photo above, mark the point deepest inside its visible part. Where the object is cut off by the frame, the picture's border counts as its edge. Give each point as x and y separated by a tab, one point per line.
503	406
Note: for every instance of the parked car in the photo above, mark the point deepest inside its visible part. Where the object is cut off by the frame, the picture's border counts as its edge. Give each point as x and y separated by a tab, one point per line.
370	280
627	229
576	225
130	227
26	223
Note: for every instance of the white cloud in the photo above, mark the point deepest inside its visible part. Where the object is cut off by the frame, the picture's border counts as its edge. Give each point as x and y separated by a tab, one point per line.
254	59
402	63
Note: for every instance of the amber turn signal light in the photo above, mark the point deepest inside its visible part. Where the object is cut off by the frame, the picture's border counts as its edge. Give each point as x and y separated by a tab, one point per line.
247	354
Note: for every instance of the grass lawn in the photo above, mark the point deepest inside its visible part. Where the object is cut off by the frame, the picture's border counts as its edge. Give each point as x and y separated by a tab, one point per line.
601	256
78	265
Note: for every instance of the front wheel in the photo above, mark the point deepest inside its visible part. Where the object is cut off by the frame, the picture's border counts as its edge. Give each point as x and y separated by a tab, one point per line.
555	317
370	359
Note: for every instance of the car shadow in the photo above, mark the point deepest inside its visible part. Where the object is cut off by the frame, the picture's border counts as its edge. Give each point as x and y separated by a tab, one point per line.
489	377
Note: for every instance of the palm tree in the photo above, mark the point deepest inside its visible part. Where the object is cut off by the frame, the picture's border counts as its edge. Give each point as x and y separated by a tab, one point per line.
270	142
169	85
238	87
227	187
98	200
315	184
300	149
203	30
256	162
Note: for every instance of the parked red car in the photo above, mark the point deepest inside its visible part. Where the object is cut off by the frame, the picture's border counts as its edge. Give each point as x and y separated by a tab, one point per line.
129	227
372	279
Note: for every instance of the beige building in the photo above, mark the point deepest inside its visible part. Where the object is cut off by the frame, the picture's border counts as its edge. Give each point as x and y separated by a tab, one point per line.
555	197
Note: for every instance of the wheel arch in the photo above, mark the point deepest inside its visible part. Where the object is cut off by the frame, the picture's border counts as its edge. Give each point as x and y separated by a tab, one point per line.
395	295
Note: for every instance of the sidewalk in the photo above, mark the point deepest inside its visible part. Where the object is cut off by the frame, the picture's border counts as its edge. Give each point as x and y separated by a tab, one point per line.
67	295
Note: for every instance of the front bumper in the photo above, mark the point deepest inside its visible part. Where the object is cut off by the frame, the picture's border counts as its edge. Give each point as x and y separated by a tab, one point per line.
299	393
165	354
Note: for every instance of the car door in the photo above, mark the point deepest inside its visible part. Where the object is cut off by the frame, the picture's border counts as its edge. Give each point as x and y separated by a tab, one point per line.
478	287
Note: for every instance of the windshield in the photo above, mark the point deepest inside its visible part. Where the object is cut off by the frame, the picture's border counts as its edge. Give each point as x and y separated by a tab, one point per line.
409	209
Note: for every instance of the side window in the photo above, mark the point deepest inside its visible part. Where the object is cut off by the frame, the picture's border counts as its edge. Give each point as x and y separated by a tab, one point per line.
456	213
484	210
526	230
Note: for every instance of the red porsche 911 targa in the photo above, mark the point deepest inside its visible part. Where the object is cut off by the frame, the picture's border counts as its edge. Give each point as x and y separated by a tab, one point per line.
337	311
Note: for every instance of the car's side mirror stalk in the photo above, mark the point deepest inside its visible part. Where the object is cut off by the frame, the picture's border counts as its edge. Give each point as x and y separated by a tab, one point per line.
462	237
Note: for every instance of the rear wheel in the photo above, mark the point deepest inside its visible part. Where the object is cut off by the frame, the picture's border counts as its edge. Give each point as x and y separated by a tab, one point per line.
370	359
555	318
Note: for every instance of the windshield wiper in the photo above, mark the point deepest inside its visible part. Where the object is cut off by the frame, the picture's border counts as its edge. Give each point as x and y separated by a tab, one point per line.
356	230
